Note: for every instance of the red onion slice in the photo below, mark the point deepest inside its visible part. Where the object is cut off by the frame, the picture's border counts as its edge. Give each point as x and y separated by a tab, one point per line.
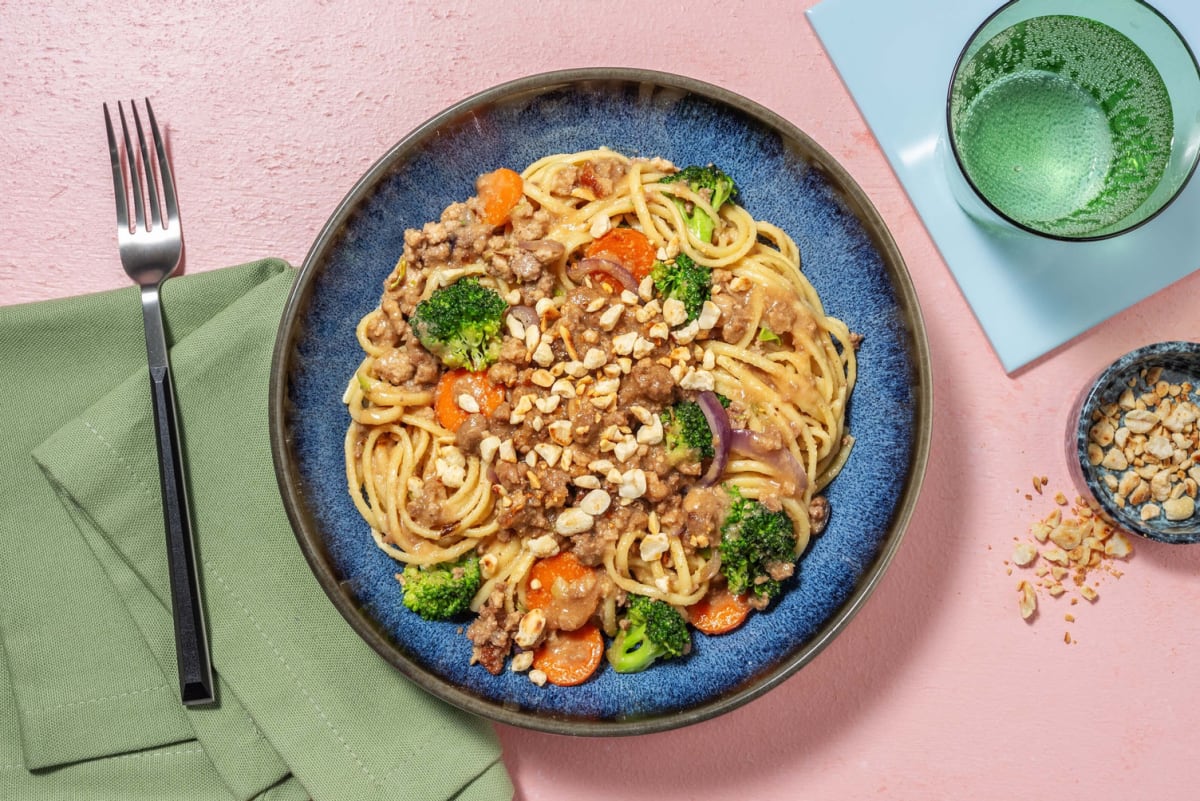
718	424
526	315
545	250
752	443
584	267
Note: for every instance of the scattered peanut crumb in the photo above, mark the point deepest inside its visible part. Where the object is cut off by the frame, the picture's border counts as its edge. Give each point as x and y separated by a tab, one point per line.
1026	600
1067	552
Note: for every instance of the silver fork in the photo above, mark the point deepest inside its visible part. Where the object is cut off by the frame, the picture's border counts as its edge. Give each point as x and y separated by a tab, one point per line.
150	253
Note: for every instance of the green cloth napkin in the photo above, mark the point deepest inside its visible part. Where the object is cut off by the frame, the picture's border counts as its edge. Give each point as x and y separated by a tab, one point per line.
89	705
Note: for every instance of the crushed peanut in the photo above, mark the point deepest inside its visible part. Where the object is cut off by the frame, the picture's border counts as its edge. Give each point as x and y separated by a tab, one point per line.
1148	441
1067	551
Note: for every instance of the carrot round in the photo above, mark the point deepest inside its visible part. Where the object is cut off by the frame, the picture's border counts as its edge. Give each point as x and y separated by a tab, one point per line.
455	383
628	247
499	192
546	571
718	612
570	657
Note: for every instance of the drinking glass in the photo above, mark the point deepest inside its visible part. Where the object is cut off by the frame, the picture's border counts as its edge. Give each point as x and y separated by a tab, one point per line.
1073	119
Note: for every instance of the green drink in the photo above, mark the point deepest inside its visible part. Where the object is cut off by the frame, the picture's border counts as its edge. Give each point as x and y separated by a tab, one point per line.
1064	126
1038	146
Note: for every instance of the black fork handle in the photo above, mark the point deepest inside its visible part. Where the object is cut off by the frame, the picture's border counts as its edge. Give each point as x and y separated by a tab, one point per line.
191	635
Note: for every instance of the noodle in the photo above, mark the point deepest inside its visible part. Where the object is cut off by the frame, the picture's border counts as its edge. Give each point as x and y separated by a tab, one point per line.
580	396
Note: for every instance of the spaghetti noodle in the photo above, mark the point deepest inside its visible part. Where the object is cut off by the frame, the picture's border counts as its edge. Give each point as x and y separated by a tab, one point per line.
564	448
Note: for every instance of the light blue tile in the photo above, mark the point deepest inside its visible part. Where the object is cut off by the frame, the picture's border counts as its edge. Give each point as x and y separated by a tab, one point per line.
1029	295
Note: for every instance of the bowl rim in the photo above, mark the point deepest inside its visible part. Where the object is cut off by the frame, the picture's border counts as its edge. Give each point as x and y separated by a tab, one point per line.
307	532
1105	380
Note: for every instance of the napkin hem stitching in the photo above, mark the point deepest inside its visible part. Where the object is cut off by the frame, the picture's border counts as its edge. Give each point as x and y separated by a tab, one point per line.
145	754
295	678
176	752
254	622
116	455
81	702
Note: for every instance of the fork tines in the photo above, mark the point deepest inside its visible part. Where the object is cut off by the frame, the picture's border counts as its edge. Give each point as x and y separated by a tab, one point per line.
131	187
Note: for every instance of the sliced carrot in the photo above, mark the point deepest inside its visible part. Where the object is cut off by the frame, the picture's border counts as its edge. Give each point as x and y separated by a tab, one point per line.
570	657
454	383
545	572
500	191
628	247
718	612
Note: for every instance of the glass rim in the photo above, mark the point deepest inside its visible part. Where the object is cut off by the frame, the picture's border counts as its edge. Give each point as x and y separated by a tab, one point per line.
958	63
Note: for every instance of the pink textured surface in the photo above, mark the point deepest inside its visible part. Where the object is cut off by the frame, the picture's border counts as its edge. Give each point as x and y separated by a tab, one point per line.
937	689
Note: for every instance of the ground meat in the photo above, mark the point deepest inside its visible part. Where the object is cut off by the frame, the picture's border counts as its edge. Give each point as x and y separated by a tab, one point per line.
525	266
601	176
818	513
525	514
704	510
512	351
585	422
590	546
546	251
381	332
572	603
427	503
556	487
527	223
428	369
402	298
510	474
456	240
409	364
779	314
574	314
648	381
471	433
544	288
395	367
780	571
735	316
492	632
670	514
663	479
564	181
503	373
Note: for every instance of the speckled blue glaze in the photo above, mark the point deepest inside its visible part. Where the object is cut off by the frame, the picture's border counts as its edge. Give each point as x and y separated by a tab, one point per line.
785	179
1180	362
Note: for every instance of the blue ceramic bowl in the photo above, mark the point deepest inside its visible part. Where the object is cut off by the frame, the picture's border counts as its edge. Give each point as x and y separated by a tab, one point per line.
1179	363
784	178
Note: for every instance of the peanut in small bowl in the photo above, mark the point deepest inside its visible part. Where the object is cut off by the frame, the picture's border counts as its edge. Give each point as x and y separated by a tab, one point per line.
1134	443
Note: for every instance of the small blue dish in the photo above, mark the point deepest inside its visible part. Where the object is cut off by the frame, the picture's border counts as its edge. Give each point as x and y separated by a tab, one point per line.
1179	362
785	178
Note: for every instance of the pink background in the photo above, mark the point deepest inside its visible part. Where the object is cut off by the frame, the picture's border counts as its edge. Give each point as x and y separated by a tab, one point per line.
937	689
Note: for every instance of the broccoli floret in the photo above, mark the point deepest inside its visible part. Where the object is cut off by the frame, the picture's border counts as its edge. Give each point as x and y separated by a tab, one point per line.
684	280
460	324
720	189
655	631
437	592
686	434
757	546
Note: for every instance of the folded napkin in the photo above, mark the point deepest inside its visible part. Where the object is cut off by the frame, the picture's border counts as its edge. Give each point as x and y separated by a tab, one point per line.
89	705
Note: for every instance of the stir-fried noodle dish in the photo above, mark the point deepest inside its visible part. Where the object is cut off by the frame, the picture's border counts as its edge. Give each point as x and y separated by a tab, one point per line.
599	407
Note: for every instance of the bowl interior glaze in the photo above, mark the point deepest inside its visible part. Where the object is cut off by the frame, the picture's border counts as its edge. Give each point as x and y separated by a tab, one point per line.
785	178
